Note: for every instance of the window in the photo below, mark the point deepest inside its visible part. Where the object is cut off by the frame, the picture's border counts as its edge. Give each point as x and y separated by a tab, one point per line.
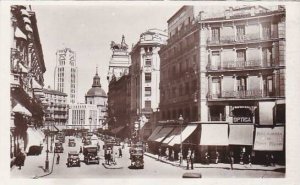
148	62
266	30
147	77
241	83
147	91
215	34
148	104
268	85
216	86
241	57
267	56
240	31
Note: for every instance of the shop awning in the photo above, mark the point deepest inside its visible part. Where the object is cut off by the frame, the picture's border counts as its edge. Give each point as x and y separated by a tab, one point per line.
269	139
214	134
35	84
23	68
33	138
24	12
156	130
186	132
19	34
266	113
21	109
28	28
117	130
175	132
163	133
241	134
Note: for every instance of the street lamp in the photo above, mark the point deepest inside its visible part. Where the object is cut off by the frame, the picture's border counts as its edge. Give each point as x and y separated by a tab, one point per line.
180	120
90	119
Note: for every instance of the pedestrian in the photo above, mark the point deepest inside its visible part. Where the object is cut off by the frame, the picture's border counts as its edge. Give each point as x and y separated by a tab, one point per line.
188	160
267	160
167	152
192	160
120	152
180	157
242	154
231	159
217	157
272	160
57	159
80	150
206	156
249	160
159	153
173	155
147	147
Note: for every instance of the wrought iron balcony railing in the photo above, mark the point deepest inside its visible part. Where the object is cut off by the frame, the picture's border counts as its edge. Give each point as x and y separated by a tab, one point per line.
232	65
245	94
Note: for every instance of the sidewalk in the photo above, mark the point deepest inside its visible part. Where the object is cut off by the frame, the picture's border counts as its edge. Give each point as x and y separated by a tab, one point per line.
221	165
33	166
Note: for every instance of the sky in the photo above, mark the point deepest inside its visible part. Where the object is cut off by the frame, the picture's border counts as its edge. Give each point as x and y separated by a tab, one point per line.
88	30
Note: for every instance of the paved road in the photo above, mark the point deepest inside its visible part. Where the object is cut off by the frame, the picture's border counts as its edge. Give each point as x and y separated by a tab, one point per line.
152	169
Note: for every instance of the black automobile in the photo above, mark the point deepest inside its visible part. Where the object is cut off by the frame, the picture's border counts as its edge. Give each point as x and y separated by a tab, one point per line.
73	159
90	154
58	148
137	158
71	142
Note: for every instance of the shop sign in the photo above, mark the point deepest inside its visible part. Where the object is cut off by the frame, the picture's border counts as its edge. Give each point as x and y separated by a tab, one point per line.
269	139
242	120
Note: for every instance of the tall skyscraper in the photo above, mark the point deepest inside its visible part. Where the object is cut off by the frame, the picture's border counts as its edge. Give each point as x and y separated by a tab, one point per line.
66	74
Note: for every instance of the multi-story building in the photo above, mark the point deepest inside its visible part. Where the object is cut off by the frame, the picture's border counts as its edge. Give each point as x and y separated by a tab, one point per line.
226	76
145	74
243	76
119	106
97	96
66	74
120	61
57	108
83	117
26	68
179	84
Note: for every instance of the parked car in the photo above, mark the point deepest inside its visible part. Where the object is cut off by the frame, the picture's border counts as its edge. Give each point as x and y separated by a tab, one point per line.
73	159
72	142
60	138
58	148
90	154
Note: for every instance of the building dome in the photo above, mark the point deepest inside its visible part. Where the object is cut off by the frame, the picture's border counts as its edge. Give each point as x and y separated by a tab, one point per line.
96	89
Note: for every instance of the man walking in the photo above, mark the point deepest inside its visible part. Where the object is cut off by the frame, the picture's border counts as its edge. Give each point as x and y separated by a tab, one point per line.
192	160
188	160
159	153
231	159
180	158
120	152
57	159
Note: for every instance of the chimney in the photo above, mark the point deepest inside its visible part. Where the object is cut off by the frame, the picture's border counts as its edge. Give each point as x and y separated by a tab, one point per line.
201	15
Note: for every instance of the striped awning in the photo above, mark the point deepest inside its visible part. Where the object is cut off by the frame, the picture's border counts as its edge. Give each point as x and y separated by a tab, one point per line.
156	130
163	133
186	132
175	132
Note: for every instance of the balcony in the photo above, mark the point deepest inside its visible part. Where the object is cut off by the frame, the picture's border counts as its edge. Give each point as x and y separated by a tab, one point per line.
240	39
239	65
246	94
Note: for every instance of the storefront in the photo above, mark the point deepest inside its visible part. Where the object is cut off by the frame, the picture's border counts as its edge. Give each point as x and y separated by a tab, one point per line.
214	140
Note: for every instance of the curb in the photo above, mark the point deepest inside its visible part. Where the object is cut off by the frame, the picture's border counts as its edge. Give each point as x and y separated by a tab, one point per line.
221	167
112	167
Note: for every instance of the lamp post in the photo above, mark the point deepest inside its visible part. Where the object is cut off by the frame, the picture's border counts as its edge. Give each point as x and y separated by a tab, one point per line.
180	120
47	151
52	125
90	119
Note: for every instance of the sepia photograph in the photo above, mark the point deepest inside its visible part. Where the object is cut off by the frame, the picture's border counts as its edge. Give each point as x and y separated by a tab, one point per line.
147	91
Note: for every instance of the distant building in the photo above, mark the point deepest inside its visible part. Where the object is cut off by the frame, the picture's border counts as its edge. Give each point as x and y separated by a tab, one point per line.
145	75
66	74
57	108
120	61
83	117
97	96
119	106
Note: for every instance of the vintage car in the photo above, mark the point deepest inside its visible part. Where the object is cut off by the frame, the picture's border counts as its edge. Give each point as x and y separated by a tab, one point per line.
136	145
60	138
137	157
58	148
73	159
87	142
90	154
71	142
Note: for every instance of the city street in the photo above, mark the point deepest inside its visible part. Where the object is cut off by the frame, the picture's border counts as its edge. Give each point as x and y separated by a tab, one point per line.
153	169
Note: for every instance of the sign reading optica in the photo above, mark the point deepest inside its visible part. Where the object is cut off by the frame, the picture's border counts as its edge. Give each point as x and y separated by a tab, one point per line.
242	120
269	139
